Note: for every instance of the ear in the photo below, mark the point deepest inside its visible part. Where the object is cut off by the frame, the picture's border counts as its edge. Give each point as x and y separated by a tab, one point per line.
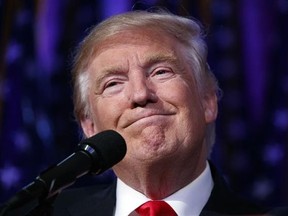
88	126
210	105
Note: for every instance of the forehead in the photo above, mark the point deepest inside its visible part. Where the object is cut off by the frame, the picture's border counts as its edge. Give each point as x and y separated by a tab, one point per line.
144	35
146	43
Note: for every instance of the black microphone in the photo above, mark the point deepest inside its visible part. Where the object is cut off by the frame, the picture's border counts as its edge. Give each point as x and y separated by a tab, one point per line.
94	155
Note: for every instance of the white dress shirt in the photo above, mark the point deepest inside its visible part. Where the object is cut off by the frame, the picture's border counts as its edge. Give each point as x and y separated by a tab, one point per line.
188	201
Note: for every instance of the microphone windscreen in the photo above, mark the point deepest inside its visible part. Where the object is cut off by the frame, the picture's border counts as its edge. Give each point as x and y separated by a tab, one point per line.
110	149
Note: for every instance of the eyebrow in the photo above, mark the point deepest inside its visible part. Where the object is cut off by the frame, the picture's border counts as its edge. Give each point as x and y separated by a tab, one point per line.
158	58
106	72
170	58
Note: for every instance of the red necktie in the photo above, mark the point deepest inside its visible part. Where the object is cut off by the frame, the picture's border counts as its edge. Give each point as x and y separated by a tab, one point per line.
155	208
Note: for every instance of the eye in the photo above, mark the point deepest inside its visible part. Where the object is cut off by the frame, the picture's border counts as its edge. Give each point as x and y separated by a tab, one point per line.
110	84
162	73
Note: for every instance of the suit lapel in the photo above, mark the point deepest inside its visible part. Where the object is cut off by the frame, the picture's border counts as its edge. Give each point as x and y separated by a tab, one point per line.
100	203
223	202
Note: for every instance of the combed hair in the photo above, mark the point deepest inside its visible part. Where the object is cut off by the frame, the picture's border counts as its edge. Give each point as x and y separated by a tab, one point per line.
186	30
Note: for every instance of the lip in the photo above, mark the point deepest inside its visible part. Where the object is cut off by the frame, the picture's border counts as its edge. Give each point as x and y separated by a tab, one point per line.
138	116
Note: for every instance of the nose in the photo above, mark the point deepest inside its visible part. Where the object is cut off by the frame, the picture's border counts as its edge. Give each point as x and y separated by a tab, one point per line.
142	92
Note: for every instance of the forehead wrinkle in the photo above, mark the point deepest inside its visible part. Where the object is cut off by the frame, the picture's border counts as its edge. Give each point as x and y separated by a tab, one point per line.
159	58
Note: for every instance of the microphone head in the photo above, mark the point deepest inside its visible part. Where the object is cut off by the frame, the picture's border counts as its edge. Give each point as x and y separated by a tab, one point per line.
108	148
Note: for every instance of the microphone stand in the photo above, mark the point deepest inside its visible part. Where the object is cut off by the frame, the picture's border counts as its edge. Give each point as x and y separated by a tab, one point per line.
36	207
44	208
37	197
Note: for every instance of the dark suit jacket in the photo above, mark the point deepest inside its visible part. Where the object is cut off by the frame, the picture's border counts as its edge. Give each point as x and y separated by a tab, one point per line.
100	200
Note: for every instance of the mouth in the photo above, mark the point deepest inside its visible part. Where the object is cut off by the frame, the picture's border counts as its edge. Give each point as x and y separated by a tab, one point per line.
148	118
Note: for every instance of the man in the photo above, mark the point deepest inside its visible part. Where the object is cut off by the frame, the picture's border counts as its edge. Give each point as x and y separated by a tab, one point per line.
145	75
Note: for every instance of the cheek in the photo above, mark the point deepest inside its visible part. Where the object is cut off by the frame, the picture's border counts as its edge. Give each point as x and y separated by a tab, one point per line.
187	100
181	94
106	112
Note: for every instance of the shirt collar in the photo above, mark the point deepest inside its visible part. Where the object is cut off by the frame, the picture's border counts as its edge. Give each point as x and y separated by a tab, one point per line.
189	200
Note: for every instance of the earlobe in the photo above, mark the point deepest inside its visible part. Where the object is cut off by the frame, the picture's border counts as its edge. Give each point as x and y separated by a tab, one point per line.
210	107
88	126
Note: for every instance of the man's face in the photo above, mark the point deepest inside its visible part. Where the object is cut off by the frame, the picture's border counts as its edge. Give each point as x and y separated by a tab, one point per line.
142	87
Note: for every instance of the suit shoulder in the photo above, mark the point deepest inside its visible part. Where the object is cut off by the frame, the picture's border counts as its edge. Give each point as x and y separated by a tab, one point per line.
224	201
76	194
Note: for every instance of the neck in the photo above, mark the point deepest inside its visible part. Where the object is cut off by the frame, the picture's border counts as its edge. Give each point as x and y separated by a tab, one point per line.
159	180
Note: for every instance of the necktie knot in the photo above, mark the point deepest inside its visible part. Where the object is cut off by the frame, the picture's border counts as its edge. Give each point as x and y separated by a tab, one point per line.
155	208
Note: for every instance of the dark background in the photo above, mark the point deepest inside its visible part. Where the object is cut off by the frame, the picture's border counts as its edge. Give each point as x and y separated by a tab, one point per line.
248	51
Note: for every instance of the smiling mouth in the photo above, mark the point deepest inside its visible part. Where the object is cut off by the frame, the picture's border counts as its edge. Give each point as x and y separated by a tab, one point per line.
149	119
